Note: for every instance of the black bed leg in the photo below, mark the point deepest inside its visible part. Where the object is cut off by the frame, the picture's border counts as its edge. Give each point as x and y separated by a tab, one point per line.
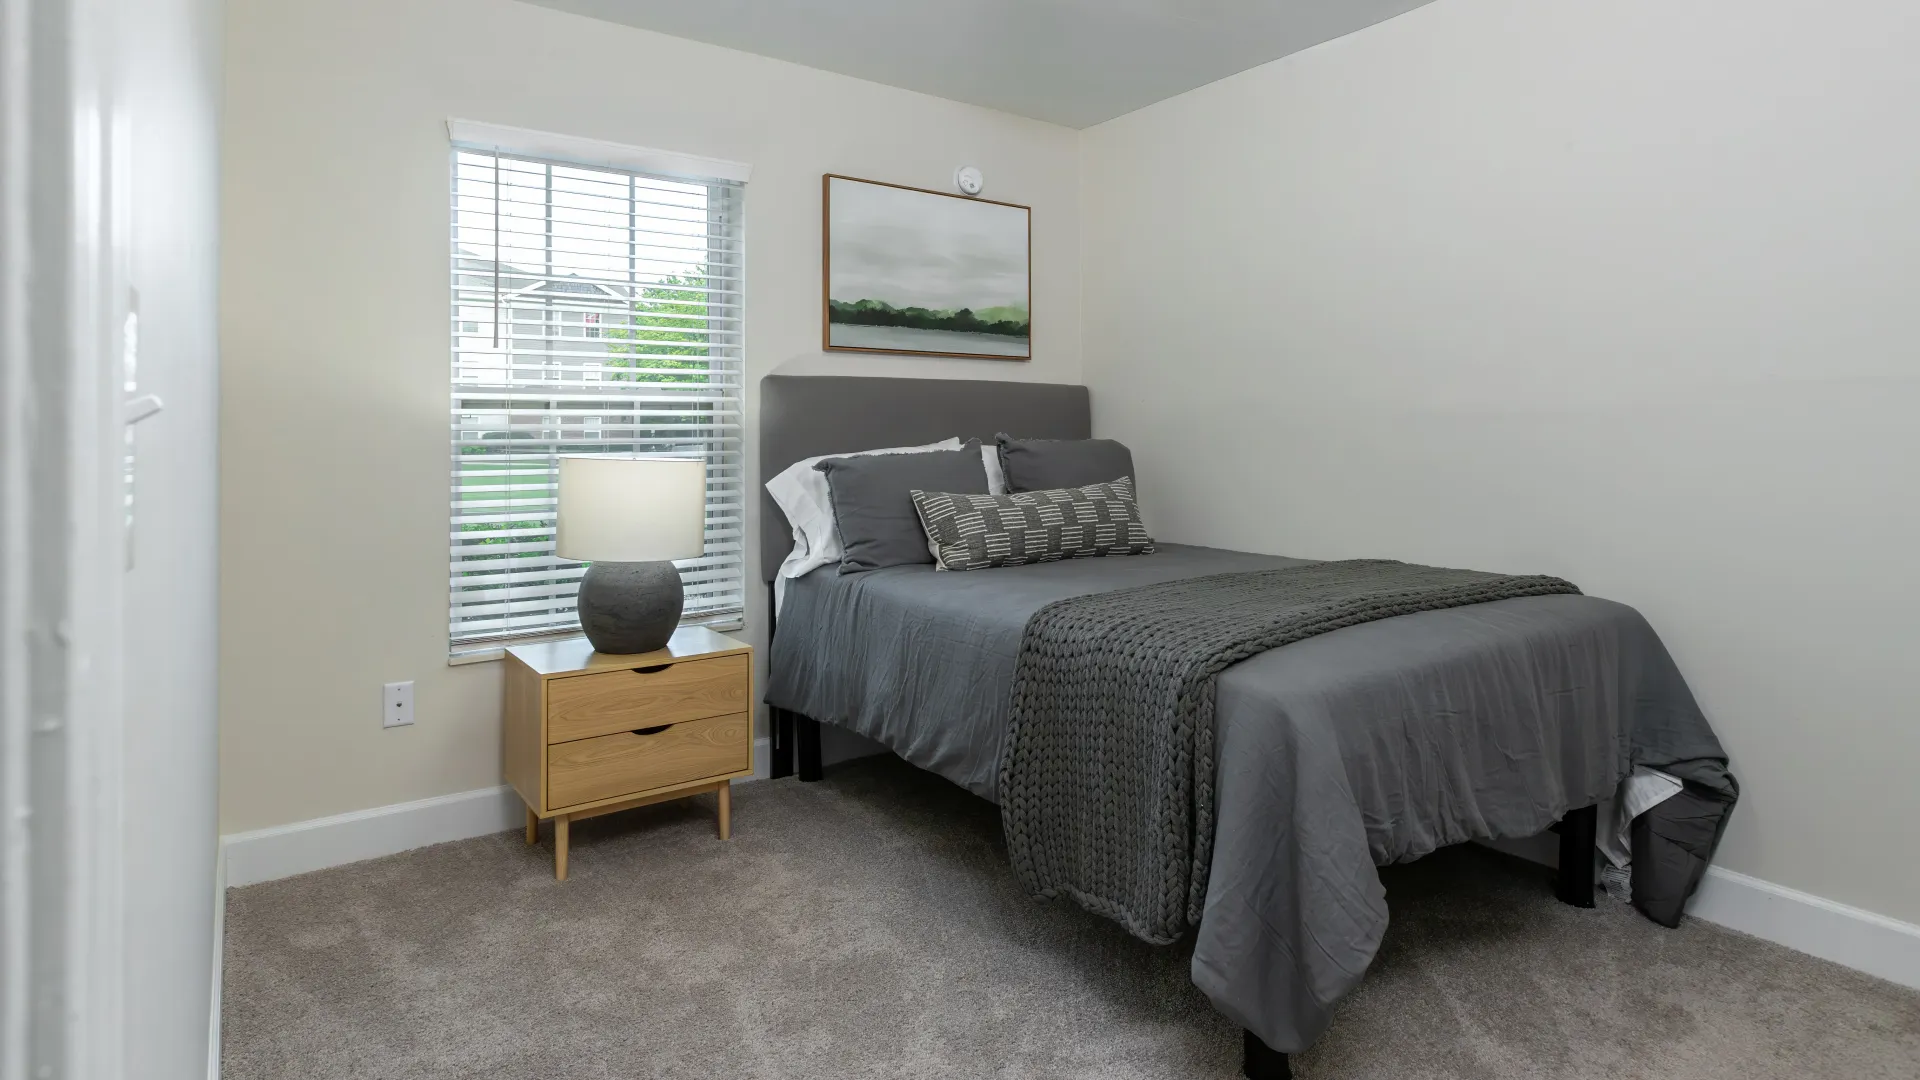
780	754
806	747
1262	1062
1577	833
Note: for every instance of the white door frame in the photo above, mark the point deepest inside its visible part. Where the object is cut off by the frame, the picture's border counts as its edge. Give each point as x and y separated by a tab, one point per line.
63	301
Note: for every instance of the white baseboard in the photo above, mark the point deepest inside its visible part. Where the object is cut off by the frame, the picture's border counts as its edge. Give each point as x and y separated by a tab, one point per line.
285	850
1850	936
1859	939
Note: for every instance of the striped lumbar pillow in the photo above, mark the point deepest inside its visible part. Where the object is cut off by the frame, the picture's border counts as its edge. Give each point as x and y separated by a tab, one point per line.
975	532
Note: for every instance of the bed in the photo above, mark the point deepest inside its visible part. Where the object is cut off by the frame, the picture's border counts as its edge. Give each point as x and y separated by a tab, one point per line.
1368	745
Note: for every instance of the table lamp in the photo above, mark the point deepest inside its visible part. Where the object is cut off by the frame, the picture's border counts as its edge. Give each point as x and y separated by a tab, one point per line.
629	518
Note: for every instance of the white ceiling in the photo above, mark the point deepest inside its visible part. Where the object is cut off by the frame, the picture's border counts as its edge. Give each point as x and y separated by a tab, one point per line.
1073	62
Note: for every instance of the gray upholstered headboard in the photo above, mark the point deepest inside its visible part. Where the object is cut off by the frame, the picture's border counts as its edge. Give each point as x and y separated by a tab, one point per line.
802	416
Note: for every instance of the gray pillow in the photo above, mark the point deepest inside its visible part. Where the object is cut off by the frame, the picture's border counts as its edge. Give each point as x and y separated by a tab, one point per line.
873	501
1049	464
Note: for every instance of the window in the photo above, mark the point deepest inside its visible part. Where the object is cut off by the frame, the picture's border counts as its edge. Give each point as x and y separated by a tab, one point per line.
596	310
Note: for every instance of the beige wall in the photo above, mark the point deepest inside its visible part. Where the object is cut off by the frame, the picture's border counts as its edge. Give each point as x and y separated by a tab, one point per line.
334	330
1617	289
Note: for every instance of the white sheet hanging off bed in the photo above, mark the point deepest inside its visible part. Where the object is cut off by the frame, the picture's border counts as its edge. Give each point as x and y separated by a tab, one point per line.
1639	793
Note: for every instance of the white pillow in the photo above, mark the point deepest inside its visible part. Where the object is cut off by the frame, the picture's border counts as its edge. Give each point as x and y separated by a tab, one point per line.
996	476
801	492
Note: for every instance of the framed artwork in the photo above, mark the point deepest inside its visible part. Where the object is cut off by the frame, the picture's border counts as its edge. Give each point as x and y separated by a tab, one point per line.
918	272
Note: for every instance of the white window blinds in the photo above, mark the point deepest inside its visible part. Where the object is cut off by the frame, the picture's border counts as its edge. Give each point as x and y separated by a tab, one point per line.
595	311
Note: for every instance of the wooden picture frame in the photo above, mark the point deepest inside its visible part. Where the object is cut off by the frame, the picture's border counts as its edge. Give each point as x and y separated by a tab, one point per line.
912	303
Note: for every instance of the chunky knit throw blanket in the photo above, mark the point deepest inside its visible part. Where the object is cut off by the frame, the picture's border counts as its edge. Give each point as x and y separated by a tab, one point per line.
1106	777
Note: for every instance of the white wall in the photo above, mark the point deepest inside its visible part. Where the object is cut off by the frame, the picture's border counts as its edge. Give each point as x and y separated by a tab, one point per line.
171	87
1621	290
334	333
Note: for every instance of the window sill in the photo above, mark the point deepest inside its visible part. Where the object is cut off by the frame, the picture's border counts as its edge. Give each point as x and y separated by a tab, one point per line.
497	650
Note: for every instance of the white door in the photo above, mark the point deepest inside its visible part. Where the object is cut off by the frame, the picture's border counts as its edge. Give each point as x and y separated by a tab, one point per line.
108	159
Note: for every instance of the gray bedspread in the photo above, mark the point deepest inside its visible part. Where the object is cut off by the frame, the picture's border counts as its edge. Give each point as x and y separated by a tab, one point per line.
1106	779
1365	746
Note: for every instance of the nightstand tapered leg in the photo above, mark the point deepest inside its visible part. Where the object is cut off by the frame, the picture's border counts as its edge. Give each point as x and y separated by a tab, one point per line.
726	810
533	826
560	848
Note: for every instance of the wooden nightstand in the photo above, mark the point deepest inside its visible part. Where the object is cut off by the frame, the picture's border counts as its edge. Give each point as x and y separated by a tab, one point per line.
590	733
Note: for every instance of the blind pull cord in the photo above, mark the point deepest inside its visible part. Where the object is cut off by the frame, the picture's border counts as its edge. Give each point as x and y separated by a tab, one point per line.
496	247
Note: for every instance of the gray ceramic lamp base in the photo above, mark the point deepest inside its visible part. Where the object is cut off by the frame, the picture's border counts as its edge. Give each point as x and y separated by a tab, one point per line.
630	607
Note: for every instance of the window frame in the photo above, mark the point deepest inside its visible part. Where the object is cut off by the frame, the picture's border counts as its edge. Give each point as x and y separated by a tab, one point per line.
721	319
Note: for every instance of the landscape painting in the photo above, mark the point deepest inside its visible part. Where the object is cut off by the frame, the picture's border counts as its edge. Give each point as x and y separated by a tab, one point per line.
914	271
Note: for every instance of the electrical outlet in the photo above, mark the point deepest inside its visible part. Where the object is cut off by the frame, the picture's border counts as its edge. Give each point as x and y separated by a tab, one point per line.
398	710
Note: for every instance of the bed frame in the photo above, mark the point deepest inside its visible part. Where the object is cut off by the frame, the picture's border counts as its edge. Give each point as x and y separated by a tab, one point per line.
802	416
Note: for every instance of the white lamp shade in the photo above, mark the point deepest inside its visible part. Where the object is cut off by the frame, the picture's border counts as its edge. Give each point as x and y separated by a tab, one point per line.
632	509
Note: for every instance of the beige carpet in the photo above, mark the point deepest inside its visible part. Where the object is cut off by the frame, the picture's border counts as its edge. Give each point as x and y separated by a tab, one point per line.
867	926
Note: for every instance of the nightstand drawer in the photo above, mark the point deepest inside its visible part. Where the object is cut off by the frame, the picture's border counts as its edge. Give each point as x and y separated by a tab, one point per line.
606	702
627	763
